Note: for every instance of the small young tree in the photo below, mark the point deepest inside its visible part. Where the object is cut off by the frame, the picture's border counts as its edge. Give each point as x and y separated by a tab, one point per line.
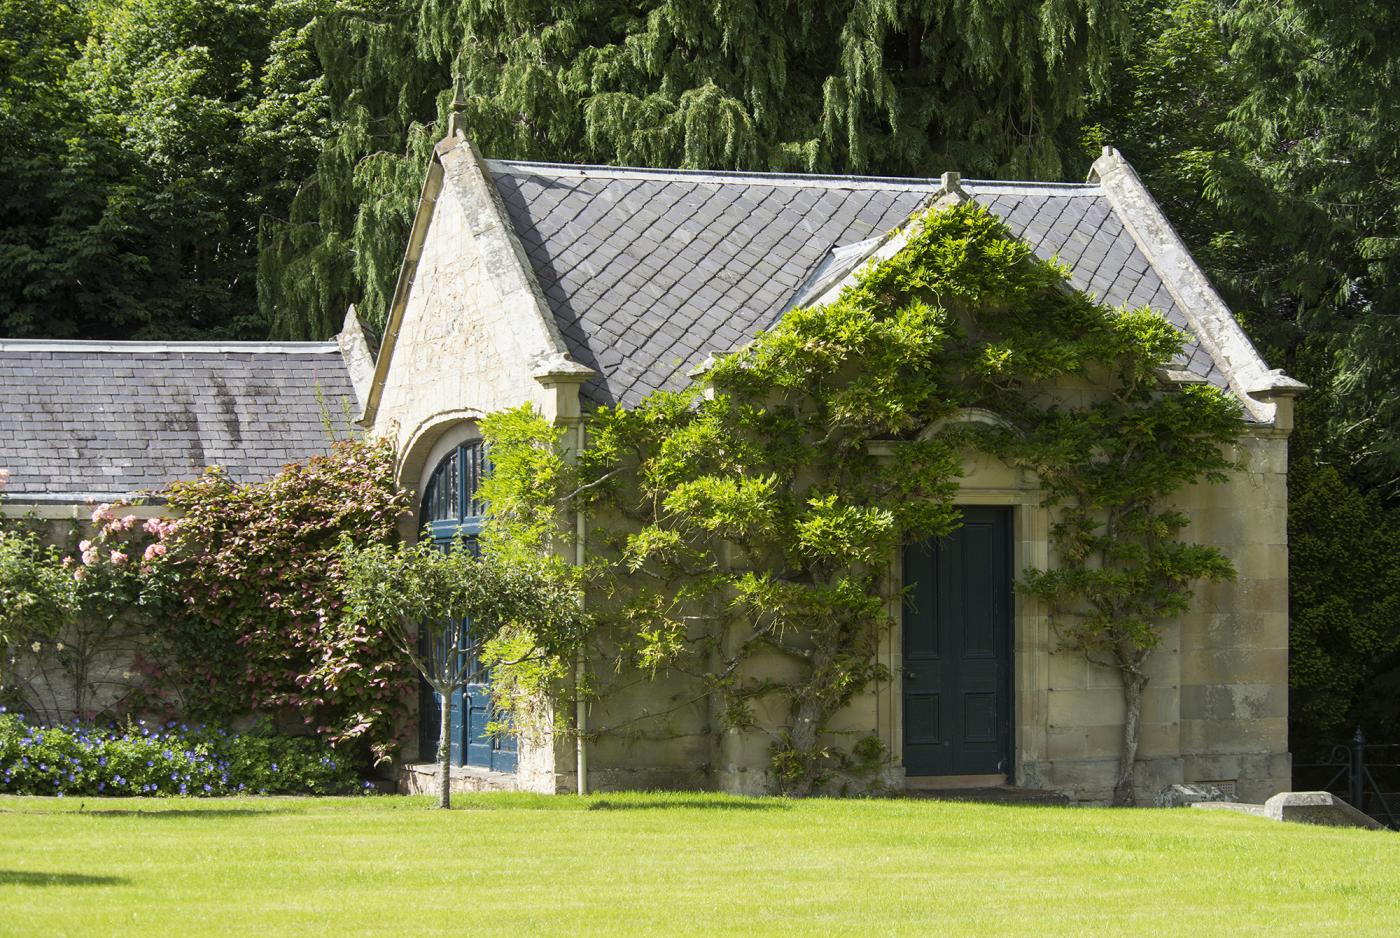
462	603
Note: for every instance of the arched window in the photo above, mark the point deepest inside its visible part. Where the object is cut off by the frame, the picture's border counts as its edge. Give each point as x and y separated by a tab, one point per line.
452	507
450	502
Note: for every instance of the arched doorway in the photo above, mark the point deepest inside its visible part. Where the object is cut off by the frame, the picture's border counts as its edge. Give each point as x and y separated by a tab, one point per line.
452	515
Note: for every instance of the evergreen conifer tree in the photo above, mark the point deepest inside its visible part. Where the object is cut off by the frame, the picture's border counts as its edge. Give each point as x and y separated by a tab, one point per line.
909	87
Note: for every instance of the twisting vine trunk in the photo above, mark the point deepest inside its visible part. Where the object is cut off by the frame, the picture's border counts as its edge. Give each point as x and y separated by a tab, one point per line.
1134	680
807	720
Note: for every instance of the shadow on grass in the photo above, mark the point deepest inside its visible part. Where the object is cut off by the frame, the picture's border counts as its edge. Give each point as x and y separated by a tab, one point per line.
31	878
179	812
703	804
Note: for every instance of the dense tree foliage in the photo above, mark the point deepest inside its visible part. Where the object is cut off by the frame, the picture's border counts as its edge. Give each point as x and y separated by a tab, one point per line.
892	87
154	134
1320	129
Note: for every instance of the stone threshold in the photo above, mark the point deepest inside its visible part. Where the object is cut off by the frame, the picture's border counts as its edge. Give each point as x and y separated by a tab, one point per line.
947	782
1001	794
421	778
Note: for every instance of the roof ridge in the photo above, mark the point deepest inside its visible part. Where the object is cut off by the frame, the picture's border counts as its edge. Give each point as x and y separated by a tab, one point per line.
1031	186
832	180
194	345
719	175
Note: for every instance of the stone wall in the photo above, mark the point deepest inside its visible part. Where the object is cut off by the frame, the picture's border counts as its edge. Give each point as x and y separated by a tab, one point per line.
1215	709
458	355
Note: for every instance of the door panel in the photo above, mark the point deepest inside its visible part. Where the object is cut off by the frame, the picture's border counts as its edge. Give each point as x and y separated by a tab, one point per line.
957	649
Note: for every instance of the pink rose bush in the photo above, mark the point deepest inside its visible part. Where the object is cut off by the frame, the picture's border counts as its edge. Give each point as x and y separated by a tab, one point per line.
258	572
234	604
119	537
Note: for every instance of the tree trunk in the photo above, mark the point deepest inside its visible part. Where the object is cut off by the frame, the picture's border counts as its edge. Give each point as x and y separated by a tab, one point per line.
806	721
445	751
1133	683
808	718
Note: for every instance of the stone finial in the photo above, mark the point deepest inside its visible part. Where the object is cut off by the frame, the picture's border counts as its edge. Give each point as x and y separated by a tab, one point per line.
951	181
459	104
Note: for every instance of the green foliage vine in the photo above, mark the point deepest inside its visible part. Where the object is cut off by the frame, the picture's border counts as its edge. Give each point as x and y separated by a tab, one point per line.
741	531
258	571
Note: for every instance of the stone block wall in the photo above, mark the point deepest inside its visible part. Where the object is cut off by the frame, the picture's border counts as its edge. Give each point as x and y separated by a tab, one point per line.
1214	711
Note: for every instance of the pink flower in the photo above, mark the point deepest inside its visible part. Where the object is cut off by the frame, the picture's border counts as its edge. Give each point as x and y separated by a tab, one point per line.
118	558
153	551
90	556
4	477
78	573
159	527
85	546
101	513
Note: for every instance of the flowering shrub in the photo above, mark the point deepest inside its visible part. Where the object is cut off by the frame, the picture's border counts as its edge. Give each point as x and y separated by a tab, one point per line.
165	759
232	607
258	574
77	624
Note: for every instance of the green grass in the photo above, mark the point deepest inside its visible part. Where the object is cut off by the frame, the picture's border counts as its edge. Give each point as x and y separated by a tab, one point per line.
677	864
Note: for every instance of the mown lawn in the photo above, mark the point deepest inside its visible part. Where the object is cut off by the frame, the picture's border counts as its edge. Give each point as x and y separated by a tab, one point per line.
677	864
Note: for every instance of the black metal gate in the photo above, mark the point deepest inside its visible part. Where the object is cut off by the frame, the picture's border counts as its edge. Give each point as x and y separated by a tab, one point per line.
1366	774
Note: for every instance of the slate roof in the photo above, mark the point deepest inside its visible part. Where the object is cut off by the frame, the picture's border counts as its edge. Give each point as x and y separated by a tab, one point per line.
647	272
105	420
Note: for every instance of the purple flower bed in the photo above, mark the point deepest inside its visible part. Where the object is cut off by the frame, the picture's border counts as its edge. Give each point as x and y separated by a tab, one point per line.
148	759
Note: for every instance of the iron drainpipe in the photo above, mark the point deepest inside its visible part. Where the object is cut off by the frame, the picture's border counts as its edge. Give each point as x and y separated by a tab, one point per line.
580	707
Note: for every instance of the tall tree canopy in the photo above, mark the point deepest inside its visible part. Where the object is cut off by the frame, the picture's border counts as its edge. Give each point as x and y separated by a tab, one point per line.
1320	127
155	134
872	86
1270	129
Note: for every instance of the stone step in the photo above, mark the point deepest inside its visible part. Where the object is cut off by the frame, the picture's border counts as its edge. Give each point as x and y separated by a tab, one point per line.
421	778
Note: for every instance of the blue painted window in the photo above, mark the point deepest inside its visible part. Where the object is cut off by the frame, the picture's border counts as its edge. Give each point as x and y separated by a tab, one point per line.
452	507
450	502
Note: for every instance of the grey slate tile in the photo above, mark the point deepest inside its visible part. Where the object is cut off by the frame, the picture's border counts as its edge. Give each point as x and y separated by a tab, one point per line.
116	421
667	267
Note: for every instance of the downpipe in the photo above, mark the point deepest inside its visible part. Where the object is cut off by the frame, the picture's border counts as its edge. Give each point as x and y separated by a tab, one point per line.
580	706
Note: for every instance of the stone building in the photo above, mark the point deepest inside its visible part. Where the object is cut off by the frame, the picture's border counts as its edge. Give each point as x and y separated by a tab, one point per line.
571	287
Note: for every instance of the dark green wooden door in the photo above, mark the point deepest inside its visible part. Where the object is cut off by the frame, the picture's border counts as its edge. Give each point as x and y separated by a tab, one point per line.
957	649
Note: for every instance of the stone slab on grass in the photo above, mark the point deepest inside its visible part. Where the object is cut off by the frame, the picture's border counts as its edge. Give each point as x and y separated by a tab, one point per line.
1304	807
